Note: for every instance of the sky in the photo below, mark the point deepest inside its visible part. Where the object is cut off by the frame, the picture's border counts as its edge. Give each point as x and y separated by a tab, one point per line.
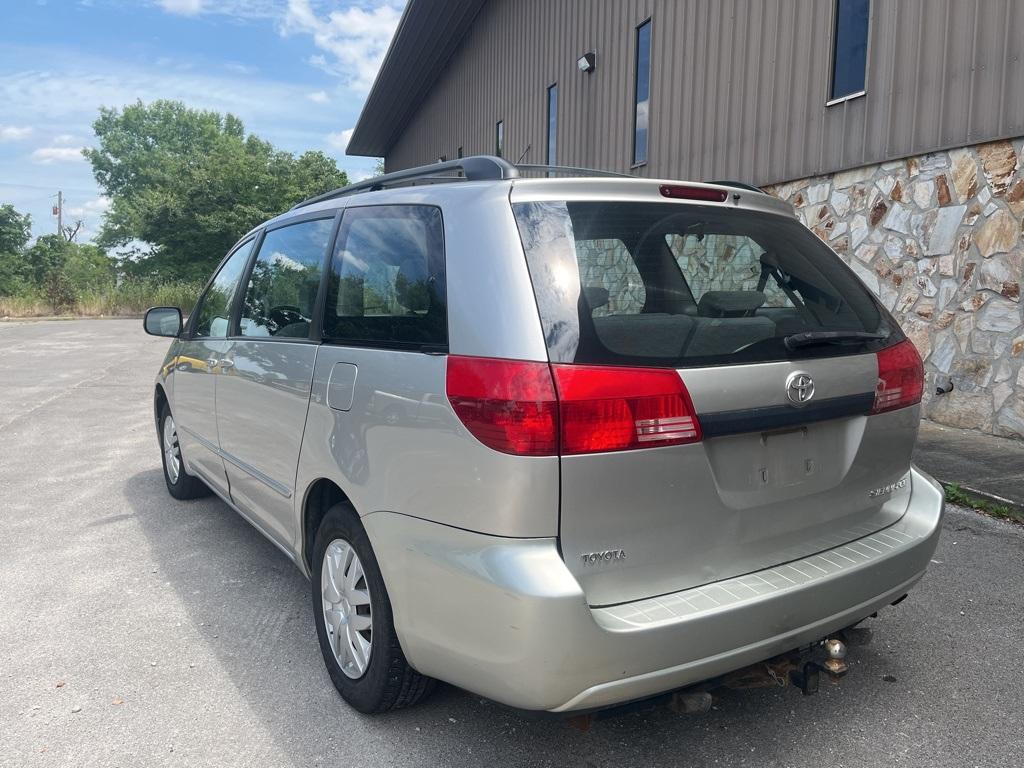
295	71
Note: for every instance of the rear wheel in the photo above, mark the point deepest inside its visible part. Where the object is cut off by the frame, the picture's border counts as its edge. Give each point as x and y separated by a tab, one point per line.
180	484
354	621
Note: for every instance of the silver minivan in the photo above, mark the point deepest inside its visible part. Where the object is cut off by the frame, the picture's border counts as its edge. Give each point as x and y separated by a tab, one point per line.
565	442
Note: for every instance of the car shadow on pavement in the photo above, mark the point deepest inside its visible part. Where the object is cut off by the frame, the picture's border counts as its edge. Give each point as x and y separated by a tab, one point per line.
250	607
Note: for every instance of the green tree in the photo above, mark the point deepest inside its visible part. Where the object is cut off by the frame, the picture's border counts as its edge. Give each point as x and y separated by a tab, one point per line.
47	255
191	182
89	267
15	231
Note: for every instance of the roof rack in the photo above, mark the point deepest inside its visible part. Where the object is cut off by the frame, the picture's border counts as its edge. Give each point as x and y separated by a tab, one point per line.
570	170
737	185
476	168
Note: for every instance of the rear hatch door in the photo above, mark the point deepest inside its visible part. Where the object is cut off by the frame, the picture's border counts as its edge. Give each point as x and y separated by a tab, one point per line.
776	342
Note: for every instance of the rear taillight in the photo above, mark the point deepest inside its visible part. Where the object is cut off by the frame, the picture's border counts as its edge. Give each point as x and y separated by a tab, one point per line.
900	378
604	408
515	406
508	405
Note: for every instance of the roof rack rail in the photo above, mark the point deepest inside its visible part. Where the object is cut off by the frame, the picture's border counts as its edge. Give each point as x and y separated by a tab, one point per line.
476	168
738	185
571	170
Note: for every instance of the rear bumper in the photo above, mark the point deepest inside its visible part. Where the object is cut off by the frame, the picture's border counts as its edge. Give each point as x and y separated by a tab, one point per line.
504	618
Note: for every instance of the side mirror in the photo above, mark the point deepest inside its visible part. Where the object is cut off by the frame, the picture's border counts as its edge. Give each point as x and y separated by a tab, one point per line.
163	321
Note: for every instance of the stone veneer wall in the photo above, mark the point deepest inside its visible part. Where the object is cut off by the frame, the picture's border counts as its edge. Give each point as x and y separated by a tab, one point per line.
938	238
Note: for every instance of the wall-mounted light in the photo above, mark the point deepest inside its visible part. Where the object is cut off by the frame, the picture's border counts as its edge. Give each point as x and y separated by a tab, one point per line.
587	62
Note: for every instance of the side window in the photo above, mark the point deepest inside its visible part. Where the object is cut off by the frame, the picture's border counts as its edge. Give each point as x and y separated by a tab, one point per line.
285	278
214	314
611	282
850	48
387	281
717	262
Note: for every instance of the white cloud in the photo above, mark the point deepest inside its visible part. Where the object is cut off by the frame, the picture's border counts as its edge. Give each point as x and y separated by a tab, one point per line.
41	95
318	97
182	7
355	39
14	132
340	140
239	68
359	174
65	139
50	155
93	207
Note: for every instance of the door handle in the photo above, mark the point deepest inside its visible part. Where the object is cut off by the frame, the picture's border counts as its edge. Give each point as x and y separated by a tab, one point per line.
224	363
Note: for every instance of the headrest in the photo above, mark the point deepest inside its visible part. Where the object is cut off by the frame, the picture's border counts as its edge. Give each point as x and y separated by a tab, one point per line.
729	303
596	296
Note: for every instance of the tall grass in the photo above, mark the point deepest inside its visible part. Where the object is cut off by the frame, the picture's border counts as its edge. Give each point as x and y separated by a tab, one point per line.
132	297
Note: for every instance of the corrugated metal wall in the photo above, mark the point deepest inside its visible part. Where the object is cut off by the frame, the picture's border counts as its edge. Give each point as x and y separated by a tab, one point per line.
738	87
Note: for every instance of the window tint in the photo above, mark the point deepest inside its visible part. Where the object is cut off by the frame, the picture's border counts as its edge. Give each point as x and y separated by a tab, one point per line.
665	284
214	311
284	281
723	263
552	125
641	109
610	279
387	282
850	47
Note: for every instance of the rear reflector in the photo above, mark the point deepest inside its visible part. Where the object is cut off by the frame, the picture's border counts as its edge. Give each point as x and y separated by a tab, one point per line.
515	407
605	408
508	405
681	192
900	378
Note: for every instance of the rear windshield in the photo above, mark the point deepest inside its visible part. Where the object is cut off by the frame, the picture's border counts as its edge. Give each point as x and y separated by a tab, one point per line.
666	284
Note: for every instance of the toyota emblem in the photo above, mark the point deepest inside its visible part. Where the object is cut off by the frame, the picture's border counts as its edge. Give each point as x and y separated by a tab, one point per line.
799	388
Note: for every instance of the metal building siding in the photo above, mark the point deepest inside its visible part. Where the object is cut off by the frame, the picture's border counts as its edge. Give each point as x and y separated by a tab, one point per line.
738	87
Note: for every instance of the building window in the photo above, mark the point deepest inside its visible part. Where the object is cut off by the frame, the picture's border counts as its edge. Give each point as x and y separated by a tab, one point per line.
552	124
499	138
849	48
641	109
460	153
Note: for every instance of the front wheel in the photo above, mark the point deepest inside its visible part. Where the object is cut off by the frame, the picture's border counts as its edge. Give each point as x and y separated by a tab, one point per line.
354	621
180	484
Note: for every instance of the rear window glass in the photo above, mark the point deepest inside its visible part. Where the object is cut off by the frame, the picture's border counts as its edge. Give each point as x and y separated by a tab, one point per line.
680	285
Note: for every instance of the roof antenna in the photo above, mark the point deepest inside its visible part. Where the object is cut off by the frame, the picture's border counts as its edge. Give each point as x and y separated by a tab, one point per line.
523	156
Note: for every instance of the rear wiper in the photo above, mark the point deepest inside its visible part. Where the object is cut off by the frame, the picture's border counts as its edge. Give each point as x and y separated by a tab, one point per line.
809	338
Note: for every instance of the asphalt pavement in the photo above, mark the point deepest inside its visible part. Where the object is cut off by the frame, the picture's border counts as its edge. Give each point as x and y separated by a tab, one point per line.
989	466
136	630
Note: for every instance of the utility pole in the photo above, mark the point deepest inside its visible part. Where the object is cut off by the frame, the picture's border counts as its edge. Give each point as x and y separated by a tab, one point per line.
60	213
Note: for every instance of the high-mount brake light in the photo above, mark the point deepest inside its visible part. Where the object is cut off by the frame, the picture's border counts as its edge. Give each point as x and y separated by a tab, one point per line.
532	409
684	192
900	377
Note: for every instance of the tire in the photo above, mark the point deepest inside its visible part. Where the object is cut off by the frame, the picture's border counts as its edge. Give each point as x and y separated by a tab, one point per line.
381	680
180	484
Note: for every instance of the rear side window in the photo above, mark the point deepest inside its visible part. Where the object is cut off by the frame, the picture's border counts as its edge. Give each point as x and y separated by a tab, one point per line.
387	281
214	312
285	277
666	284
